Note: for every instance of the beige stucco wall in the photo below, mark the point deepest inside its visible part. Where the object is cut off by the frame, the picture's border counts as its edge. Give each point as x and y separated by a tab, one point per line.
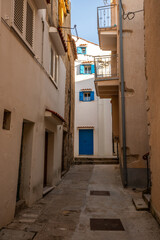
152	55
27	90
115	117
68	135
135	88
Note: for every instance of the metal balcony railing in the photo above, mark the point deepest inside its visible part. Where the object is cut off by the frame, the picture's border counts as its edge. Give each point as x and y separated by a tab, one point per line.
106	67
107	16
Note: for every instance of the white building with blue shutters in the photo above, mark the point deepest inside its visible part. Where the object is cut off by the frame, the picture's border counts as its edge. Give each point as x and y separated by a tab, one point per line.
93	118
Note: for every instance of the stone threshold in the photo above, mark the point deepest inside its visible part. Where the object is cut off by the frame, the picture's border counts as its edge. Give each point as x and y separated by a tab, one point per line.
46	190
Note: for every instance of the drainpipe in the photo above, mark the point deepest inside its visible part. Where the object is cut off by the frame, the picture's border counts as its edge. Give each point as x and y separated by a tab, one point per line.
52	13
124	169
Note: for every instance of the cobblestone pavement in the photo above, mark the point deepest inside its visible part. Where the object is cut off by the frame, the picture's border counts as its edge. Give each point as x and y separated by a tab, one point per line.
71	209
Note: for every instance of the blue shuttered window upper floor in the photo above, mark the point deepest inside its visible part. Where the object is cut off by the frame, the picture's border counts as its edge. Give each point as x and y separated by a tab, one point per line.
79	50
82	50
92	96
81	69
87	69
80	96
86	96
92	69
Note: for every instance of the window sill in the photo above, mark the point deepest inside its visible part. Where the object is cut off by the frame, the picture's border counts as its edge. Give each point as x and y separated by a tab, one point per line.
87	101
53	81
86	73
23	41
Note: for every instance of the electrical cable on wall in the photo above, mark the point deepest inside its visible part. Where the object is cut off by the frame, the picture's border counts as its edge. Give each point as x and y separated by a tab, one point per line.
129	15
72	28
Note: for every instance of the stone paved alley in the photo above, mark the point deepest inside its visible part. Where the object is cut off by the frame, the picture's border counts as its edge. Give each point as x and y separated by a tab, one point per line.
65	212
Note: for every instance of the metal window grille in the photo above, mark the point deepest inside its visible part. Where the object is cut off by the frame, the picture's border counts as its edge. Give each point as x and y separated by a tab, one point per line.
106	16
106	66
19	14
29	25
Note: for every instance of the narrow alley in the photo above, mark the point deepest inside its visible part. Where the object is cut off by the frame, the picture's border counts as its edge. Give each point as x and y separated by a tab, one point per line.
86	193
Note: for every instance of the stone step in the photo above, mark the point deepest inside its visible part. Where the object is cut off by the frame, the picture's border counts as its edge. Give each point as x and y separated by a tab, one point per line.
96	161
140	204
147	199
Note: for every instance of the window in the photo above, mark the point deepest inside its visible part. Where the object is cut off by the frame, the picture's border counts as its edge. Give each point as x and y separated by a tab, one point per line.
6	120
54	59
24	20
85	96
18	14
82	50
29	25
87	69
51	63
56	68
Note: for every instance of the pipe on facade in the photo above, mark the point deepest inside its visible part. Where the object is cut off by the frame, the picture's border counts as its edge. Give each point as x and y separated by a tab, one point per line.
124	168
52	12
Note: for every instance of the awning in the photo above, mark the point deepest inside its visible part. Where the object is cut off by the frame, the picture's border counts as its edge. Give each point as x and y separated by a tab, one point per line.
86	89
54	116
86	127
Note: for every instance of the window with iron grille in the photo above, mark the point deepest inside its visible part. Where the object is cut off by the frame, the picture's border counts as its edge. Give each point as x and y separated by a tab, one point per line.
24	20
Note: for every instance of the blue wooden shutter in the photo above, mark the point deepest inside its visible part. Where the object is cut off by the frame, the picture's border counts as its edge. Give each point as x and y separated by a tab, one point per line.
81	69
92	96
79	50
92	69
80	96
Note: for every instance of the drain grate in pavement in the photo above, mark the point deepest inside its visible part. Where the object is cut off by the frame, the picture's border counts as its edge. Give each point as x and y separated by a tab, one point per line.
58	237
106	224
100	193
6	234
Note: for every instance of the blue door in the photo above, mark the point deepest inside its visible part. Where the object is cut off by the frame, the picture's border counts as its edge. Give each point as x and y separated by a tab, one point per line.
86	142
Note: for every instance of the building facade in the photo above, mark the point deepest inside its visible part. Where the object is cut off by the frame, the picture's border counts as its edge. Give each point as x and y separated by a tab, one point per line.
152	57
93	120
125	84
34	59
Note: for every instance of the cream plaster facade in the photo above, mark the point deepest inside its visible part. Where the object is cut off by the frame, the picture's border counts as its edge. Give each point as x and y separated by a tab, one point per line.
135	87
95	114
32	104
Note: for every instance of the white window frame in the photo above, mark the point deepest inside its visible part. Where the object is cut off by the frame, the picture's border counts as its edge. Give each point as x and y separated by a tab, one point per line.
55	67
86	96
23	34
88	68
83	50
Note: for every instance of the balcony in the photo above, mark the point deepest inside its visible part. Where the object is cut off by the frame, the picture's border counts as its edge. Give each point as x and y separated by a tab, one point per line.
106	76
107	27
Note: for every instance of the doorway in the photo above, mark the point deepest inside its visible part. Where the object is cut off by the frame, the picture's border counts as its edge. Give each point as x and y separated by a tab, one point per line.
25	161
48	159
85	141
64	160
